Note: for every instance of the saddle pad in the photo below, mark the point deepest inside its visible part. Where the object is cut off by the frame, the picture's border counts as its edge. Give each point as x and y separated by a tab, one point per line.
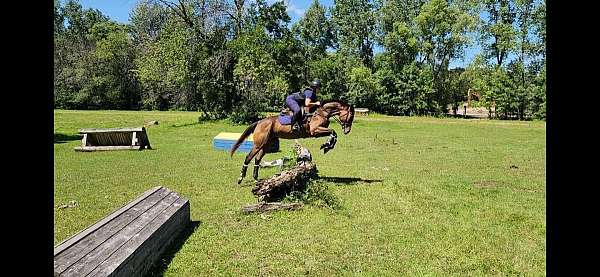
285	119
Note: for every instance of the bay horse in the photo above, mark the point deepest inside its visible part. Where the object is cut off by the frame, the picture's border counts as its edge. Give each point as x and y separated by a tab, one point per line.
268	129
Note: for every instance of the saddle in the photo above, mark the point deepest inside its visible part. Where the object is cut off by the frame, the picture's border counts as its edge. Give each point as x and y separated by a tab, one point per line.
285	116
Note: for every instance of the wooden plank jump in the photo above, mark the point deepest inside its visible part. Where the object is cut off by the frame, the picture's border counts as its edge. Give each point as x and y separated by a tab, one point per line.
362	111
114	139
127	242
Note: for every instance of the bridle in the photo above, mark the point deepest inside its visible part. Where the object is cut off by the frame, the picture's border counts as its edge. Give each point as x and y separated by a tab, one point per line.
337	114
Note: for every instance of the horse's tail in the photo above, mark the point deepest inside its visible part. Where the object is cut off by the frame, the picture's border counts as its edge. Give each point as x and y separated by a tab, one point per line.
244	135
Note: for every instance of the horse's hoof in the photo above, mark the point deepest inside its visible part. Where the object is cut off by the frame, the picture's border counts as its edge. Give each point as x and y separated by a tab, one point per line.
239	181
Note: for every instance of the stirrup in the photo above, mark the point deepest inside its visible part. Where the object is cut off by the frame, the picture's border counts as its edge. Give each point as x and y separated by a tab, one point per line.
295	127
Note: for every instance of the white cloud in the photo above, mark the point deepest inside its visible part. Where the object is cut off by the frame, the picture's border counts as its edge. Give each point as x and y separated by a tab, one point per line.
294	9
291	7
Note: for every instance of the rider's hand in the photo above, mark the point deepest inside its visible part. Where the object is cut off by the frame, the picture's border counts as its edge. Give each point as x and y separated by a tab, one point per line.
318	103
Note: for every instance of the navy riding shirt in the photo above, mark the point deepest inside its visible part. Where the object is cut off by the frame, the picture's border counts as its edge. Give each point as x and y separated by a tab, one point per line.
307	93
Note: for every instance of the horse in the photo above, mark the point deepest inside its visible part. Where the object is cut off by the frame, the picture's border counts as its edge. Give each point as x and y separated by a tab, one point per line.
268	129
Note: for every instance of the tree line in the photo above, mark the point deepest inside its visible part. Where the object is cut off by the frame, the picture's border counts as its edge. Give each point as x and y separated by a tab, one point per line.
240	58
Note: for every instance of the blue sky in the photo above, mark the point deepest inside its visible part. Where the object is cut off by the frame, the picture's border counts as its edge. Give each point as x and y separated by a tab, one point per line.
119	10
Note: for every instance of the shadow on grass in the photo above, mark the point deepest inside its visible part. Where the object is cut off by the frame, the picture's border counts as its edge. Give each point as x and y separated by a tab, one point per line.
468	116
185	124
62	138
485	116
165	259
201	120
348	180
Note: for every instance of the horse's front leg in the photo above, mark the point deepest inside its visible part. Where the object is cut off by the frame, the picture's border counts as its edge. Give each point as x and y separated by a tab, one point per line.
330	143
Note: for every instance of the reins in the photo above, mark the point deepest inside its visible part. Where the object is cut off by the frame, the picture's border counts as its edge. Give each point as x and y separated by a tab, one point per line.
335	116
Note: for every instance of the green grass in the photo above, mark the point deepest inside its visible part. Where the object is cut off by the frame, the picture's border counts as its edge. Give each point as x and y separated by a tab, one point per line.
442	197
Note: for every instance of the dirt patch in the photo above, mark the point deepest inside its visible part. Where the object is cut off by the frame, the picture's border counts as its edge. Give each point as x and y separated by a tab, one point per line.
487	184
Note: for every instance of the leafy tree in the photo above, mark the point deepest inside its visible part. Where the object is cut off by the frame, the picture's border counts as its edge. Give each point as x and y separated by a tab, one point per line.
397	31
539	26
402	46
506	96
199	71
537	95
254	71
442	36
274	18
332	70
355	24
148	19
239	58
457	86
163	70
316	31
479	74
498	32
288	54
410	92
92	61
362	87
114	60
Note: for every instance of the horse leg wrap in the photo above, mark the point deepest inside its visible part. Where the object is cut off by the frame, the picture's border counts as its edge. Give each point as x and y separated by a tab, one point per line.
242	173
255	173
244	169
332	140
330	143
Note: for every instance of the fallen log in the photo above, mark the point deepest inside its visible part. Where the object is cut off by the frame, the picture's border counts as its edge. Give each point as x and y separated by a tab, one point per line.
278	186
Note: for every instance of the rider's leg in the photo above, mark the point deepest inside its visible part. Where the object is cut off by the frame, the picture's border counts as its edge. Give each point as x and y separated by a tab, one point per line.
297	119
296	109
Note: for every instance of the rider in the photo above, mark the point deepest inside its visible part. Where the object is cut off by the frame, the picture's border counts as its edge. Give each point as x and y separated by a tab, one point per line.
306	98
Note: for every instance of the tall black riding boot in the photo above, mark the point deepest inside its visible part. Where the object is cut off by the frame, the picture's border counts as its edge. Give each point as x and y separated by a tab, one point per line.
296	121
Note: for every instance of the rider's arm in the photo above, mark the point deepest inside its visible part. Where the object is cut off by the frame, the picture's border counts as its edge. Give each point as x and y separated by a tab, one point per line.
308	103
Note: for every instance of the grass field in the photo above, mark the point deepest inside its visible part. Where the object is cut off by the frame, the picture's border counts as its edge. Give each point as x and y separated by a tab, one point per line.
416	196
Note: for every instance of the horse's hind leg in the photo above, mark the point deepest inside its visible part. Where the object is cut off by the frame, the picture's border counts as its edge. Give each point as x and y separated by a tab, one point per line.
261	137
261	141
242	173
246	162
259	156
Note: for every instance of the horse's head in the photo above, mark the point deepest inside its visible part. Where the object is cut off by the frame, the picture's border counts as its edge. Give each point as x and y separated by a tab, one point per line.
346	118
344	111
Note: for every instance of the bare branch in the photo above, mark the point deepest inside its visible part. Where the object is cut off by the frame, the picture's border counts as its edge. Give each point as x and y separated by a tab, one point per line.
180	11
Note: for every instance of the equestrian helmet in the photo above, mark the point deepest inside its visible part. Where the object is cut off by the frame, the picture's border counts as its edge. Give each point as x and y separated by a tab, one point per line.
316	83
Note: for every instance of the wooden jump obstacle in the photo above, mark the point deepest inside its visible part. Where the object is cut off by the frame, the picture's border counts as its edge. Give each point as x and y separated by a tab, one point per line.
129	241
225	141
273	189
361	111
113	139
